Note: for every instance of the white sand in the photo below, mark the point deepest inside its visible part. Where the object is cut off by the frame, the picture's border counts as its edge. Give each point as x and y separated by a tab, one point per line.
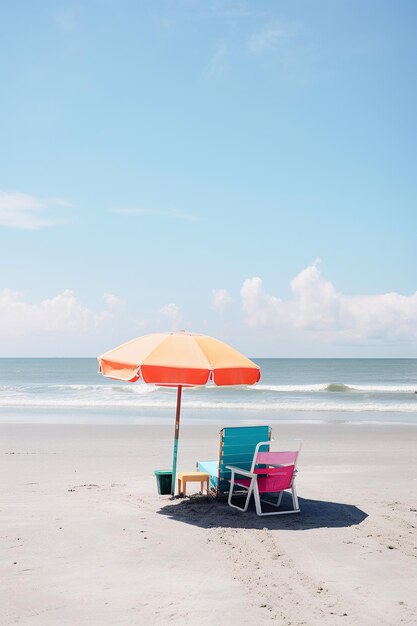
85	539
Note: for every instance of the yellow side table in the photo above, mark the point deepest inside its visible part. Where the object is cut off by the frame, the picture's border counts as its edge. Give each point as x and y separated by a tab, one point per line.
192	477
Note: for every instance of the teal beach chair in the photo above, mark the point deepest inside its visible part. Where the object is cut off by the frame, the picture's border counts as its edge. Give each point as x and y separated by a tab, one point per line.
237	447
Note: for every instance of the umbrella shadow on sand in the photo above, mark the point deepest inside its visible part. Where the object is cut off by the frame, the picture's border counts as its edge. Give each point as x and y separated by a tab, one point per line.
205	512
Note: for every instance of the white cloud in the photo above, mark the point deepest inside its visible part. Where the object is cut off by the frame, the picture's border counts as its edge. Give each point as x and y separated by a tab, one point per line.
217	65
272	35
260	308
317	308
62	313
21	210
178	215
111	300
170	310
221	300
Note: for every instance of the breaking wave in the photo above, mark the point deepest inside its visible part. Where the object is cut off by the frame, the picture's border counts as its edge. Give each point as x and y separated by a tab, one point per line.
337	387
128	388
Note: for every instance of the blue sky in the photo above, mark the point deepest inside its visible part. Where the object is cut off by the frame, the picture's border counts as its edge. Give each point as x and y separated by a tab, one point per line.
184	165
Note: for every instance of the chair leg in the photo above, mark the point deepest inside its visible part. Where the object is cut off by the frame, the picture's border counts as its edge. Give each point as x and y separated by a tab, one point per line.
253	488
295	499
229	500
257	499
275	504
294	502
248	498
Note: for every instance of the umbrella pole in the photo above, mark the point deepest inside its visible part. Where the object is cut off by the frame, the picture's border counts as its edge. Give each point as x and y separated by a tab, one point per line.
176	435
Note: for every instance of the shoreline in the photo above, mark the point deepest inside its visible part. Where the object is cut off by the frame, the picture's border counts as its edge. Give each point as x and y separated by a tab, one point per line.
226	418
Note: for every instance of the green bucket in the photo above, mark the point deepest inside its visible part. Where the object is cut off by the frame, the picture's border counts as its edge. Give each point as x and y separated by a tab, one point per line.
163	481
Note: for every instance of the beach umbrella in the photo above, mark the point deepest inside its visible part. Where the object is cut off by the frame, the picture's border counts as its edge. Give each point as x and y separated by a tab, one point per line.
179	360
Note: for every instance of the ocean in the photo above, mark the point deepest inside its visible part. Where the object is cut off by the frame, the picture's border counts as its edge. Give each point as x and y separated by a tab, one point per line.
70	390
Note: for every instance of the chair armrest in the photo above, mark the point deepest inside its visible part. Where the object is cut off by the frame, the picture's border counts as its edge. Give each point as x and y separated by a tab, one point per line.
239	470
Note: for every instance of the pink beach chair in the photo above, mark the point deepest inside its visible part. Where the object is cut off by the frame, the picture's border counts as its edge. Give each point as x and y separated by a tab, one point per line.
270	473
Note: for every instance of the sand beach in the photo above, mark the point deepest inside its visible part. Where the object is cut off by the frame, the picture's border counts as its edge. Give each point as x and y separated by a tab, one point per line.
86	539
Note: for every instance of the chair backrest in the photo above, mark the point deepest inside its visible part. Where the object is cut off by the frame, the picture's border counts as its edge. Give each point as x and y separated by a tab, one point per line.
276	467
286	457
279	458
238	445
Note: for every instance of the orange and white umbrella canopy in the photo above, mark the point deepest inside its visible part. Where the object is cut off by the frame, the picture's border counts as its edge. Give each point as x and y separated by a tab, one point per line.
179	359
